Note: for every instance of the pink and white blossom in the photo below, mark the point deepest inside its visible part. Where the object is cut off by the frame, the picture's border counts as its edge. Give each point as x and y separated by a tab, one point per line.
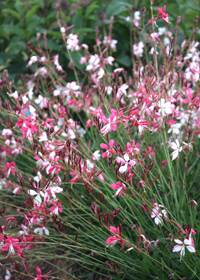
187	243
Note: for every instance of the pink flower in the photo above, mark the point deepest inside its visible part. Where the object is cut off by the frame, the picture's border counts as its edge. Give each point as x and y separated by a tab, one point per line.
11	219
188	243
39	275
133	149
57	208
16	190
161	12
146	242
188	145
126	163
112	240
111	122
120	187
193	202
10	245
109	150
154	35
149	152
10	167
28	130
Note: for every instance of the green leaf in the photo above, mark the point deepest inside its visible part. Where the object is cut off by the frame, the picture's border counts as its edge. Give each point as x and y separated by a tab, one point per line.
93	17
125	60
117	7
12	29
91	8
77	21
85	30
39	3
32	25
12	12
31	12
19	7
3	33
54	33
193	6
16	45
52	45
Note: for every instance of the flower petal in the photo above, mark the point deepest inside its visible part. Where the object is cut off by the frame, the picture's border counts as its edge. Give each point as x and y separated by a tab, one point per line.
191	249
177	248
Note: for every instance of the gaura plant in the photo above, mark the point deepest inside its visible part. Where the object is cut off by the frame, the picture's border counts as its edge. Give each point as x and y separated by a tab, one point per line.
103	170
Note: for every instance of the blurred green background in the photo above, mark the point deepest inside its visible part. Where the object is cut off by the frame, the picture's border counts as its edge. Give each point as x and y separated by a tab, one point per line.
21	20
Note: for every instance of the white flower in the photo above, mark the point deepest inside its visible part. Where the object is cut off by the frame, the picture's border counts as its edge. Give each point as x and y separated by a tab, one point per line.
108	90
30	86
90	165
71	134
72	42
109	60
24	231
2	183
32	60
56	63
14	95
41	71
136	19
177	149
41	101
93	62
165	107
81	131
11	250
111	43
166	41
6	132
96	155
100	74
43	137
40	230
53	189
8	275
62	29
175	128
71	87
38	177
24	99
56	92
161	30
37	200
188	243
152	51
32	110
158	215
138	49
122	90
